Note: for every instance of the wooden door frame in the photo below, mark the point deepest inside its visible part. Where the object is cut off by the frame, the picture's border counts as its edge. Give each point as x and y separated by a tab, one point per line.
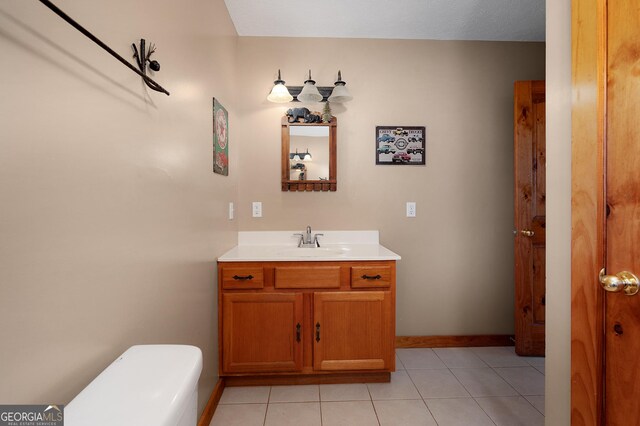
588	174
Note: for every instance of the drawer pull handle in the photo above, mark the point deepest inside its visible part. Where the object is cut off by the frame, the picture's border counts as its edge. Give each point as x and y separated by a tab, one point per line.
317	332
298	332
241	278
371	277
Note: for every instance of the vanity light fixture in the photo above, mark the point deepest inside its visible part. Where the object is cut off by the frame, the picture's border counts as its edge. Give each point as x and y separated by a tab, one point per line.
294	156
300	156
309	92
279	94
340	93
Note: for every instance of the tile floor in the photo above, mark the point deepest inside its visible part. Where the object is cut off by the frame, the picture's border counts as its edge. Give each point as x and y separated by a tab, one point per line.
443	386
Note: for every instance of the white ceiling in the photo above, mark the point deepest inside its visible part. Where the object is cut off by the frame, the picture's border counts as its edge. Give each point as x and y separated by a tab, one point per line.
508	20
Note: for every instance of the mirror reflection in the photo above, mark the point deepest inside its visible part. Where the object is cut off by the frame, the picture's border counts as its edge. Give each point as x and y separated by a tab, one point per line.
309	153
309	156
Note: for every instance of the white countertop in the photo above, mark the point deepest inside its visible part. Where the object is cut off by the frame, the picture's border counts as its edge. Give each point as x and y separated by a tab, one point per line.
283	246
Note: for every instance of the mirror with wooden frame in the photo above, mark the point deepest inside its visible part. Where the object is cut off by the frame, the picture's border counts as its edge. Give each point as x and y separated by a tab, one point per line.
309	156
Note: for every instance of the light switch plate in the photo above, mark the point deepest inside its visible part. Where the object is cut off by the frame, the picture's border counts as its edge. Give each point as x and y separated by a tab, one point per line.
231	211
411	209
256	209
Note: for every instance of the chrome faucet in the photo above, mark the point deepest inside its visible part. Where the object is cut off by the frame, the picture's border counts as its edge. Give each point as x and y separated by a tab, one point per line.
307	237
307	241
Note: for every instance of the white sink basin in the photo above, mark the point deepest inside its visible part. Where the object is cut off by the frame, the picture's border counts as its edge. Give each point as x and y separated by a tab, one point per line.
314	252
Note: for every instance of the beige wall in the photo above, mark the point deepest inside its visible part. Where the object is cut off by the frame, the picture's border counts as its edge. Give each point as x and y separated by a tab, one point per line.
558	362
456	272
111	216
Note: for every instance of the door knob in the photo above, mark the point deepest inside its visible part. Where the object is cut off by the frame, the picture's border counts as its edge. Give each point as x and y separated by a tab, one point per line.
624	280
527	232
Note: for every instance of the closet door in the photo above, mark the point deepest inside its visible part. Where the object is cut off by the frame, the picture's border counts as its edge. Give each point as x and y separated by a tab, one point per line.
530	216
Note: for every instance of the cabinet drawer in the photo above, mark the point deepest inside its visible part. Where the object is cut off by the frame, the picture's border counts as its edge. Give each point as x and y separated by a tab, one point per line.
307	277
244	277
370	276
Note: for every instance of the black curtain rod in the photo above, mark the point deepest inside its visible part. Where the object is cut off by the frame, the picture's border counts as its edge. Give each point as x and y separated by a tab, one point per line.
97	41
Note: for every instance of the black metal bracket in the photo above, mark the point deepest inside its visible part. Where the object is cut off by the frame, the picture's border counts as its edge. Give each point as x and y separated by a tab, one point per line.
142	58
148	80
325	91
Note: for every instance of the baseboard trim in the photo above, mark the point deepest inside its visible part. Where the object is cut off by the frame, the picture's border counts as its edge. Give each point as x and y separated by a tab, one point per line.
212	404
454	341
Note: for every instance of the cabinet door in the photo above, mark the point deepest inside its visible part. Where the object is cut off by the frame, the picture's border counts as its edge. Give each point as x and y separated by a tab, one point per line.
352	331
261	332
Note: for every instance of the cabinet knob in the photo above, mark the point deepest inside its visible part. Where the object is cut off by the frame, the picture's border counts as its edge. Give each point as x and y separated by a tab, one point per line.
317	332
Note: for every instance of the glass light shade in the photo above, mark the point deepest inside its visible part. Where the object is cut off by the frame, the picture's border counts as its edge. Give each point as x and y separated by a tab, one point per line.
309	93
280	94
300	156
340	94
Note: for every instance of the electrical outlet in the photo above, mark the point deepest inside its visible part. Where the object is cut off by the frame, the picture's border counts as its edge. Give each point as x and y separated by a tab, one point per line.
411	209
231	211
256	208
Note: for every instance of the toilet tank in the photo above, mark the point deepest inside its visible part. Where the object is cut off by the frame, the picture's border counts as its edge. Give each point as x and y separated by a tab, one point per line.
154	385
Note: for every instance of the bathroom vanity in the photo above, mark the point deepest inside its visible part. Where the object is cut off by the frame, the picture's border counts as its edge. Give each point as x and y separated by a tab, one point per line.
306	315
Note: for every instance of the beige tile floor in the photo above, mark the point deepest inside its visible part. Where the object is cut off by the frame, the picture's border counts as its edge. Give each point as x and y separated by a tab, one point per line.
444	386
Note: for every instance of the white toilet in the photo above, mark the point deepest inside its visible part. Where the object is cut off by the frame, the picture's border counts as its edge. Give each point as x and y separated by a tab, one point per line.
154	385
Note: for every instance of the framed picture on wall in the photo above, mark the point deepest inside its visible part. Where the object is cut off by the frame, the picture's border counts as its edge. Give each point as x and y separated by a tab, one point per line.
400	145
220	139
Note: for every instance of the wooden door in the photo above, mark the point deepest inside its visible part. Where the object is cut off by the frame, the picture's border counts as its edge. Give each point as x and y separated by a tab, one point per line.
622	312
605	211
353	331
529	212
262	332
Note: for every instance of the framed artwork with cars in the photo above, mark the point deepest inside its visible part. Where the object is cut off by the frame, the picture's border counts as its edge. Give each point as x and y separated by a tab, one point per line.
400	145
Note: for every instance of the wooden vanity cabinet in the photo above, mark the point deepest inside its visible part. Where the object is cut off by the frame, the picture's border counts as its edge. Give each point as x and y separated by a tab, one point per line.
306	322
